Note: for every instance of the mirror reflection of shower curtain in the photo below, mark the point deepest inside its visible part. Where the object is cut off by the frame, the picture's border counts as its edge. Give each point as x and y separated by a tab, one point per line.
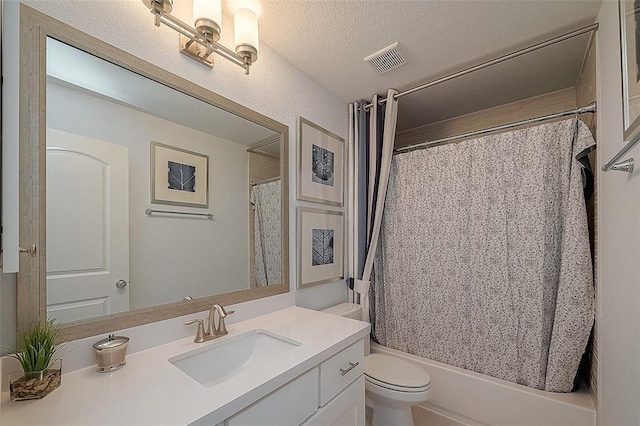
484	260
268	233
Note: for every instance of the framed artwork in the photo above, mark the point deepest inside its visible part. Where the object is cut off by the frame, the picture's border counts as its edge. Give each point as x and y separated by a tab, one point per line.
630	47
179	177
320	246
320	165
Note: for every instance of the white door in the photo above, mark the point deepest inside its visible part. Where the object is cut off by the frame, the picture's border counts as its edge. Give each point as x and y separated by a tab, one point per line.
87	227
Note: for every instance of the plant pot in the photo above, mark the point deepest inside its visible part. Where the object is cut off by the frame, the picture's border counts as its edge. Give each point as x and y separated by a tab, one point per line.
35	385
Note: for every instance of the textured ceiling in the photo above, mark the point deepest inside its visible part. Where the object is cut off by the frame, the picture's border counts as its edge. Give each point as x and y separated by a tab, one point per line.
328	39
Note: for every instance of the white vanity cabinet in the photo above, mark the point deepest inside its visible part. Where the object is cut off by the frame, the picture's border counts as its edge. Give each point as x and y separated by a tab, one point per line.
332	393
317	381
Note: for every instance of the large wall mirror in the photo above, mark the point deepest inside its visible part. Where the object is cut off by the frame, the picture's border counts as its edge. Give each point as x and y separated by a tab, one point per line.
147	197
630	47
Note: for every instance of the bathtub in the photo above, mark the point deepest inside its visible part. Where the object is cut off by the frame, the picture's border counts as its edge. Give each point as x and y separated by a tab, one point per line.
476	399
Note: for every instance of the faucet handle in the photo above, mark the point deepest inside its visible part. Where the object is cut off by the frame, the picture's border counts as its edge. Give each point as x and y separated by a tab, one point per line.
222	312
221	330
200	335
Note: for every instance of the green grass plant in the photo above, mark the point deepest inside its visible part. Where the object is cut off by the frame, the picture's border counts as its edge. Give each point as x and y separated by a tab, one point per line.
36	348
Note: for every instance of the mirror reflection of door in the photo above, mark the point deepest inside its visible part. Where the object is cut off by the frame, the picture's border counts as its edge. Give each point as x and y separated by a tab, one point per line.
88	240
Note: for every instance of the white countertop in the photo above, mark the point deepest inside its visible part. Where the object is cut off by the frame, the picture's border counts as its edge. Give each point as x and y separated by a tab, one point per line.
151	391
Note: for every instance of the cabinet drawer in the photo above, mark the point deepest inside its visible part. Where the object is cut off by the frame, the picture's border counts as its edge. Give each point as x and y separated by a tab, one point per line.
340	370
277	408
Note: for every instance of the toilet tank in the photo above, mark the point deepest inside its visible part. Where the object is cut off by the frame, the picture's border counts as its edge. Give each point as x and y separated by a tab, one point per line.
347	310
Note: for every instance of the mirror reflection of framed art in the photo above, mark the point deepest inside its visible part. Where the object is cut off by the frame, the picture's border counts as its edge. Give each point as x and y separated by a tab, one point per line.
179	177
320	165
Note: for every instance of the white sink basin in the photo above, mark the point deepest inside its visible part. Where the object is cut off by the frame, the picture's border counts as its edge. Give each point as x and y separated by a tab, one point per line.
216	363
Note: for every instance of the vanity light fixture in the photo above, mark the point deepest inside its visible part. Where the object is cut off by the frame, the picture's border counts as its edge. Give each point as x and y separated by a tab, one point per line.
201	41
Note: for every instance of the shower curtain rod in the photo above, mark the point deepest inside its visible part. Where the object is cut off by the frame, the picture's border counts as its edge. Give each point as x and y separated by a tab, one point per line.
550	42
591	108
263	143
260	182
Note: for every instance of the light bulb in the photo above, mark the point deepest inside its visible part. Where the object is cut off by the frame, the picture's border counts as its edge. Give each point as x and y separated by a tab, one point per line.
207	17
253	5
245	25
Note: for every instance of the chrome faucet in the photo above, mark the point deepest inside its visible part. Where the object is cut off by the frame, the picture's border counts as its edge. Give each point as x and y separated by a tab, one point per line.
213	331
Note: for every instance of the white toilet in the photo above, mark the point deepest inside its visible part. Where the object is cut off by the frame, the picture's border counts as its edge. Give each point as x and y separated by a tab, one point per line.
392	385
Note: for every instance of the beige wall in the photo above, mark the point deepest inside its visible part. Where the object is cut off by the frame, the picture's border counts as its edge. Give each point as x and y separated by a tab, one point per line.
549	103
585	94
586	85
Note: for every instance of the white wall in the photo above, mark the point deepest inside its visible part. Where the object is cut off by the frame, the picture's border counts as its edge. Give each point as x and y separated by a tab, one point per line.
619	243
171	257
274	88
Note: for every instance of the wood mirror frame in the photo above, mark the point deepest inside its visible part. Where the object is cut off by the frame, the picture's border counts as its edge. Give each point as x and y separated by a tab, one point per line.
35	27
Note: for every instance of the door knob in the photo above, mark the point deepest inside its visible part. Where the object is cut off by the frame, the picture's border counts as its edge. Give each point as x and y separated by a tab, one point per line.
32	251
121	283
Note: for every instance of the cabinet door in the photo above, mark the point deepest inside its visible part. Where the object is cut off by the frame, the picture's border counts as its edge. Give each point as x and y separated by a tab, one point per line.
289	405
346	409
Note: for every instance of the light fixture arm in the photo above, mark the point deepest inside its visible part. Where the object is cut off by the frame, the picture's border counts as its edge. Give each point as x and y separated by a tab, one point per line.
162	15
156	9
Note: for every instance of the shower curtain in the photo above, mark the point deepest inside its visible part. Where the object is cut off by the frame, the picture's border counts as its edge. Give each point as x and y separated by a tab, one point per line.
370	149
484	259
267	233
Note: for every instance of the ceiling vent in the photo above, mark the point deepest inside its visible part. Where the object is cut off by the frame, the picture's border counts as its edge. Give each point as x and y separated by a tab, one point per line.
386	59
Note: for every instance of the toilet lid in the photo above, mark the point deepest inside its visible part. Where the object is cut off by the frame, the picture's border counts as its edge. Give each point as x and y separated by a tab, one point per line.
395	387
395	372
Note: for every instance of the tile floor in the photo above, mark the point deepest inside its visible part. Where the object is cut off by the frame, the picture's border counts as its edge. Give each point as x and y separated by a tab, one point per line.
422	417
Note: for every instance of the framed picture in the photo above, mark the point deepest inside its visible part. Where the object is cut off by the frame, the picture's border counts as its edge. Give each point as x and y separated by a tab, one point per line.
320	246
630	47
179	177
320	165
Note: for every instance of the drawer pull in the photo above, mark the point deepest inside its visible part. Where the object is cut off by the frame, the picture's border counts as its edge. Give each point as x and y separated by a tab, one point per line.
352	365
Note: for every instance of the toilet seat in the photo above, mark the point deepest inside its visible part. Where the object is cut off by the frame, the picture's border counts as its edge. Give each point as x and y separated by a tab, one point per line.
395	374
396	388
392	385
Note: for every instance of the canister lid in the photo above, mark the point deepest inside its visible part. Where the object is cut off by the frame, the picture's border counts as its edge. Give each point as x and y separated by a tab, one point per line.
110	342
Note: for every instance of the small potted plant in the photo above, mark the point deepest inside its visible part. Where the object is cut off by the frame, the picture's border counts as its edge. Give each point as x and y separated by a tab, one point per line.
41	374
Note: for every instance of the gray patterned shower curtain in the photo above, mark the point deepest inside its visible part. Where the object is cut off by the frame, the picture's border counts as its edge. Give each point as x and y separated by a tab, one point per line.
484	260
